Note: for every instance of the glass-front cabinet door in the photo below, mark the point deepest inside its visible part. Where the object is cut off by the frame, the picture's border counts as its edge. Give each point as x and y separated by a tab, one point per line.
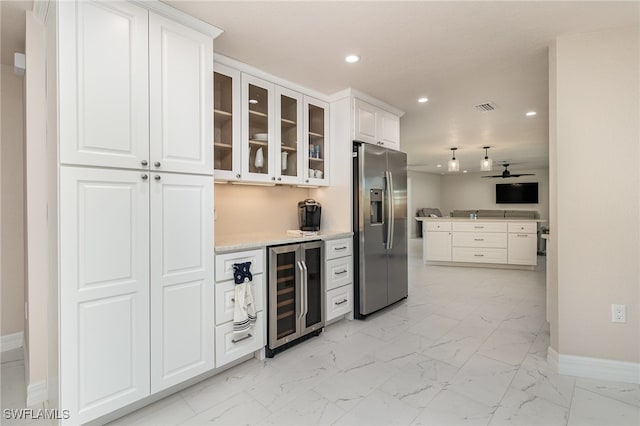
316	134
289	139
285	275
258	159
226	119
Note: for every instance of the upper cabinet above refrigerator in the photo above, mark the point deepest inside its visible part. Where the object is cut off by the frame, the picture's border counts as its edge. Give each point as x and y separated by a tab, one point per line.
375	126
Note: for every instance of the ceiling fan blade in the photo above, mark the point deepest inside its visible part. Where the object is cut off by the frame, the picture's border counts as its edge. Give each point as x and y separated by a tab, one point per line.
523	174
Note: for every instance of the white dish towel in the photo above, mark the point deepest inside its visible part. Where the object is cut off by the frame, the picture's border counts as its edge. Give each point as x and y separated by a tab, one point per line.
244	311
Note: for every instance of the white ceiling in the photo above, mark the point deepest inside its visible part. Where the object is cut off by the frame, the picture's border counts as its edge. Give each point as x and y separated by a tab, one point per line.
458	54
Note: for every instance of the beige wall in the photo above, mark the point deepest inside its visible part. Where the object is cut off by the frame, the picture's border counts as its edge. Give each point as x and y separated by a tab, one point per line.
598	192
424	191
244	209
552	243
12	193
471	191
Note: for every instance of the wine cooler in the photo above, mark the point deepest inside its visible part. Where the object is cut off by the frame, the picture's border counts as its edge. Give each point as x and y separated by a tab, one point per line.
296	294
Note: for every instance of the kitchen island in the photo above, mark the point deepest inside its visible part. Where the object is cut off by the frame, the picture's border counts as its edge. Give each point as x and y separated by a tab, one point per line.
497	242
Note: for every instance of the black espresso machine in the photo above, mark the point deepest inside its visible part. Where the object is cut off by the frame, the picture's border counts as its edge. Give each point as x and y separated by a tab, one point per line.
309	215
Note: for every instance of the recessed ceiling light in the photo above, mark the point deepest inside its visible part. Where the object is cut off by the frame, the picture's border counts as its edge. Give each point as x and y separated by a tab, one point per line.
253	101
464	171
439	165
423	99
352	59
531	113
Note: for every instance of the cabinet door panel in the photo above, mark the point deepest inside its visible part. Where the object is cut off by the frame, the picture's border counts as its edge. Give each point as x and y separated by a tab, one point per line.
289	139
103	72
317	137
438	246
181	278
364	122
522	249
227	125
258	133
181	98
389	131
104	290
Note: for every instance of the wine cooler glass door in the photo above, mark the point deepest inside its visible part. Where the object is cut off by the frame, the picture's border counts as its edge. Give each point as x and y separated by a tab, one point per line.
285	272
312	288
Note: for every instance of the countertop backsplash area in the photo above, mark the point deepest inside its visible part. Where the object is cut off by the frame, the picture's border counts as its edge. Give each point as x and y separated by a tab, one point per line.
245	209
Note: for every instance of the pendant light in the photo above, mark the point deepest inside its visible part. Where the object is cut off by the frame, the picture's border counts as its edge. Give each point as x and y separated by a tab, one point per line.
486	164
453	165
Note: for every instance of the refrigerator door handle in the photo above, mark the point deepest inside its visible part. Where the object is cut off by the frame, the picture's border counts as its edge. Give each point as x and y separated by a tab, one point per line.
389	206
305	285
392	212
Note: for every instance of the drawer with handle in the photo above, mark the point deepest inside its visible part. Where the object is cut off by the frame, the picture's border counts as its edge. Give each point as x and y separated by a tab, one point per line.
339	301
339	272
225	261
523	227
477	226
225	298
479	255
338	248
437	226
230	346
480	239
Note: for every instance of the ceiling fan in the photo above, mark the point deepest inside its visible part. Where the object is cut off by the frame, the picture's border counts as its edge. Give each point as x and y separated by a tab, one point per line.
507	174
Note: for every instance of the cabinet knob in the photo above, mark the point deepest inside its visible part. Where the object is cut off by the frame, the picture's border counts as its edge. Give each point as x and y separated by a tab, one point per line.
238	176
306	181
279	178
144	162
157	164
144	176
273	178
157	177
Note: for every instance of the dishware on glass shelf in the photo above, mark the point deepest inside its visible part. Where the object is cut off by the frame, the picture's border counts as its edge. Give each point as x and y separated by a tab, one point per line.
259	162
317	153
260	137
283	160
312	173
319	174
312	150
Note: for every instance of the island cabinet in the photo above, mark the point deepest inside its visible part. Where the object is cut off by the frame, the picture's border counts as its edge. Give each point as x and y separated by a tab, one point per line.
268	133
135	201
437	241
375	125
523	243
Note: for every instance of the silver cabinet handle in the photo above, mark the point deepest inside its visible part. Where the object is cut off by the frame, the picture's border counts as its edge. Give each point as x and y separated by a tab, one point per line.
300	295
144	176
341	302
341	272
144	162
522	235
306	288
279	178
157	164
248	336
479	227
340	248
157	177
238	176
478	239
479	255
273	178
306	181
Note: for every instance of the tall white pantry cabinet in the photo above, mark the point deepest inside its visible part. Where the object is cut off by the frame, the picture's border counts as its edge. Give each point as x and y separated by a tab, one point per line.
136	253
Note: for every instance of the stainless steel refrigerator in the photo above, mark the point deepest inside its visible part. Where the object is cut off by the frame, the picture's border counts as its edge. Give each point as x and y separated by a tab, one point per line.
380	227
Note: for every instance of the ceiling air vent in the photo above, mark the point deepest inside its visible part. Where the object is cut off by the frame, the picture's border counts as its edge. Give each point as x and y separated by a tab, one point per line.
487	106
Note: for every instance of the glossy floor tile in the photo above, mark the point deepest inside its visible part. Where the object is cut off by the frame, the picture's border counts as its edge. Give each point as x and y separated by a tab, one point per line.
468	347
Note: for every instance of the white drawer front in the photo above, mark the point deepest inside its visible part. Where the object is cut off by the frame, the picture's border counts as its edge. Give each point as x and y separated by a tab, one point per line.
225	261
339	272
480	239
338	248
339	301
479	255
225	298
477	226
523	227
230	347
438	226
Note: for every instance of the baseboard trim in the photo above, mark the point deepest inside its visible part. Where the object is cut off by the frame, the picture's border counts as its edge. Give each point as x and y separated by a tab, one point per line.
11	341
37	393
594	368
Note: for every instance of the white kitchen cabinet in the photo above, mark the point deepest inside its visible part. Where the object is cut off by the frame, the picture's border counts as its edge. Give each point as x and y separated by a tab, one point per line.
227	125
289	141
258	133
437	241
181	93
523	249
104	290
135	253
181	277
338	279
316	142
230	346
375	125
104	84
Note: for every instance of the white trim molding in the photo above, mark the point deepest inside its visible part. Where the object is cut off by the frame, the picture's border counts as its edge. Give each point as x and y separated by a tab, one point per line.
37	393
11	341
594	368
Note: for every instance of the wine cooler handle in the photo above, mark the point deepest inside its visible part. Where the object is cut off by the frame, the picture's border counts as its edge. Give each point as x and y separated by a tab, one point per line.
305	284
300	296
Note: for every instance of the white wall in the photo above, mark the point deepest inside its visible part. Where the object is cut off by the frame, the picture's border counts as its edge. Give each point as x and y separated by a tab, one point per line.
424	191
598	193
12	193
471	191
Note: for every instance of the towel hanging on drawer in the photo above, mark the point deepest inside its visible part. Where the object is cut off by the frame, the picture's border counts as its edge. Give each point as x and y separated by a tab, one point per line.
244	311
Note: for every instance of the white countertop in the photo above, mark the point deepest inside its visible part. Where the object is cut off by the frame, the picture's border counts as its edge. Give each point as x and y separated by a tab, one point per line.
239	242
480	219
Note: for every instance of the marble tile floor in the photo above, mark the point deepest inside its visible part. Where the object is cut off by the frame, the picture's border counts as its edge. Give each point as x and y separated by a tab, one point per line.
467	347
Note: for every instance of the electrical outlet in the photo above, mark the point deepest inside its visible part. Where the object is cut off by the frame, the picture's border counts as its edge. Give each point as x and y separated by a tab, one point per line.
619	313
